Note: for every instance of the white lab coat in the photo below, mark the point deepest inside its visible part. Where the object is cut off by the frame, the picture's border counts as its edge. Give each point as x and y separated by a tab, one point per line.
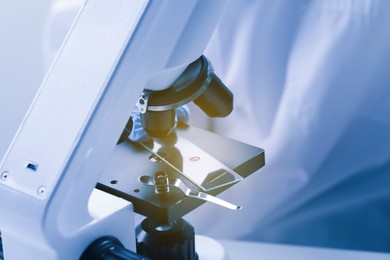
311	81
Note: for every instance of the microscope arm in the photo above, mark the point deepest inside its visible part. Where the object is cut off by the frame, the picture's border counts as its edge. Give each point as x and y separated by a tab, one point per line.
115	49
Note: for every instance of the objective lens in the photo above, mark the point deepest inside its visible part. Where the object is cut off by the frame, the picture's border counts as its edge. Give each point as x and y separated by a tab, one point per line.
216	100
159	124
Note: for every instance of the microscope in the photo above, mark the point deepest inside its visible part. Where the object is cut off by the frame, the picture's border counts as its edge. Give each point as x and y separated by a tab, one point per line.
71	180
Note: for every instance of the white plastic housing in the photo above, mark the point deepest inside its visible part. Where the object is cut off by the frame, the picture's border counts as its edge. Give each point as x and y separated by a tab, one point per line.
115	49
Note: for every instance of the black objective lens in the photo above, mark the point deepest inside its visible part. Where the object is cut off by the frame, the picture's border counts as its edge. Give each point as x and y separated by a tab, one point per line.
216	100
159	124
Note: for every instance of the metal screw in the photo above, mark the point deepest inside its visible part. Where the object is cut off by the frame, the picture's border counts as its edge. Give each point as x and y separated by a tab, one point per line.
4	176
161	182
142	103
42	191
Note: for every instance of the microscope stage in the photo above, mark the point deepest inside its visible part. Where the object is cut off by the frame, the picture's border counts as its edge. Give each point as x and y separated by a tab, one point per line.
130	161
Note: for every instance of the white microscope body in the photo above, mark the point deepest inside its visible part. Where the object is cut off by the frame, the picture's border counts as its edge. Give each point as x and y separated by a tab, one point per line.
116	48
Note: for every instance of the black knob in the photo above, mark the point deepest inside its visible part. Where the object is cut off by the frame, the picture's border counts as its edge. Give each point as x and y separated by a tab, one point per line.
109	248
166	241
